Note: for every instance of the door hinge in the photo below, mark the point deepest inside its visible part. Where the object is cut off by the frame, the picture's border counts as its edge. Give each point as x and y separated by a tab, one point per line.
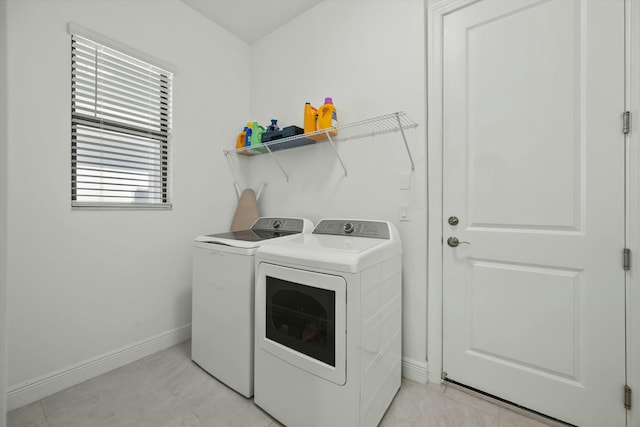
626	259
627	397
626	122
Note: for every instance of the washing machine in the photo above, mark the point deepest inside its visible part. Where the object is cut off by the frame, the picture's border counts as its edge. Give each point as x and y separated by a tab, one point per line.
328	324
223	298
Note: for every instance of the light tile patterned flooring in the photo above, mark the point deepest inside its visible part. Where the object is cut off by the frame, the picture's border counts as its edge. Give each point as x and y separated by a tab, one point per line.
167	389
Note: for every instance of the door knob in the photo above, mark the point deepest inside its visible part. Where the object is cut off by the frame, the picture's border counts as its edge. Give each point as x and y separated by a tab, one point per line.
454	242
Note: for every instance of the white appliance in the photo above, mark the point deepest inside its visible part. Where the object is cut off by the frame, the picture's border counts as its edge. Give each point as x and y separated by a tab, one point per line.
328	324
223	298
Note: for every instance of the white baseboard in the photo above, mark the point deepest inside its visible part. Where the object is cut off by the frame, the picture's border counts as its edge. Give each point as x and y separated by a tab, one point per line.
37	388
415	370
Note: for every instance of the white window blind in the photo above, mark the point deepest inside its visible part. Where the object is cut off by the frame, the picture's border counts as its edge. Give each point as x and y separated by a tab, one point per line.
120	129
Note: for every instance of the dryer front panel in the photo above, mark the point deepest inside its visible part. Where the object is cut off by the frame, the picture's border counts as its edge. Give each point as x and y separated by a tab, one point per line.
301	319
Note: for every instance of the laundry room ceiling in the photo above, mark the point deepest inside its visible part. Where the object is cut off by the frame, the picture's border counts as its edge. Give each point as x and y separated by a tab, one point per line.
250	20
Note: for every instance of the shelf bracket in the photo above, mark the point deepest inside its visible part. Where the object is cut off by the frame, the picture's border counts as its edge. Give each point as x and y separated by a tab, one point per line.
336	151
277	162
406	145
227	155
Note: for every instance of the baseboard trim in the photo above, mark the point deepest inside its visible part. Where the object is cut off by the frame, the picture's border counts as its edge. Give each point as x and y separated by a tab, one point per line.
415	370
37	388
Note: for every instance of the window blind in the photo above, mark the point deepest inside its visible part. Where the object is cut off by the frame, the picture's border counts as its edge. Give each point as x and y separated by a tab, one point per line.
120	128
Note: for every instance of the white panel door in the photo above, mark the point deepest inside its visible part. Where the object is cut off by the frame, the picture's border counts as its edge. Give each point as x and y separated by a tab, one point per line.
534	304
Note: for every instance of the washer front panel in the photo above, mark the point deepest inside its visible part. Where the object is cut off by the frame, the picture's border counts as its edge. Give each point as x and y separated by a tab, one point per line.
335	284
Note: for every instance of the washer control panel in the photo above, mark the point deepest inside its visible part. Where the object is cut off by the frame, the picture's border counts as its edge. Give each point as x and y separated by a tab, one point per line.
279	224
356	228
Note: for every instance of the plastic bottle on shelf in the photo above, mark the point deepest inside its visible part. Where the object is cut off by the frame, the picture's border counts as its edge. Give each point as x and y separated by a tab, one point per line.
242	142
247	140
311	122
310	117
273	126
256	138
328	117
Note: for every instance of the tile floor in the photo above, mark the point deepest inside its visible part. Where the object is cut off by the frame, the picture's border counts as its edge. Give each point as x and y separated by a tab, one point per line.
167	389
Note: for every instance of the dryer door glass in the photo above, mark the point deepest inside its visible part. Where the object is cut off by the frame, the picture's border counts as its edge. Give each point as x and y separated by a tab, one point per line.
301	318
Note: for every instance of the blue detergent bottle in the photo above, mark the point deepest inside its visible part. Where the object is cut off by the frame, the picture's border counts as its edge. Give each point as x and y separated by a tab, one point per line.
247	141
273	126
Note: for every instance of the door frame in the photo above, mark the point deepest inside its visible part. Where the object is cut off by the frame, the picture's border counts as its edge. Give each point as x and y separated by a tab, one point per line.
632	77
436	11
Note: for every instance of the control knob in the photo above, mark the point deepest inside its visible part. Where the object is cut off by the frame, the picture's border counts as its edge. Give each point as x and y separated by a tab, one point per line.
277	223
348	228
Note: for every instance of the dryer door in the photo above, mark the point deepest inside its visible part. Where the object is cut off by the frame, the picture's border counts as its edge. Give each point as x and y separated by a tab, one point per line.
301	319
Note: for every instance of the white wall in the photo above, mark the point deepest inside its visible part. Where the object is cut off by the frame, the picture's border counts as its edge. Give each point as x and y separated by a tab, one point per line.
370	57
3	212
88	290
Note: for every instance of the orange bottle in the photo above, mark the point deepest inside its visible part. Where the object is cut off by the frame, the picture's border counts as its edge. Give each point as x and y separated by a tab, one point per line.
310	119
242	141
328	117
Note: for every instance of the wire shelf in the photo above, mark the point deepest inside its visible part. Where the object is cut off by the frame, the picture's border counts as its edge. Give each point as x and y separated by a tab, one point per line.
389	123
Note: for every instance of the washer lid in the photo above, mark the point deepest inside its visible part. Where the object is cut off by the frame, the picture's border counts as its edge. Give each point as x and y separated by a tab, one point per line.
246	235
262	230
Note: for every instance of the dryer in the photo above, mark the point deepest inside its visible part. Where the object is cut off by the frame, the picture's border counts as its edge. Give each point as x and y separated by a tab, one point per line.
223	298
328	324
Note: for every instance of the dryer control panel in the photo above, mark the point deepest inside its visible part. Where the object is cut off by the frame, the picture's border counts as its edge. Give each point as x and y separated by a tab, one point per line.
353	227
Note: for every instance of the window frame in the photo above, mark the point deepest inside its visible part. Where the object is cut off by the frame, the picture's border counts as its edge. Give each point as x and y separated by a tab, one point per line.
91	130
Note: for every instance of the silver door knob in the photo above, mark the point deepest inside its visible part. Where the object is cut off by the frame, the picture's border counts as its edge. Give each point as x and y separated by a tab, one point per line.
454	242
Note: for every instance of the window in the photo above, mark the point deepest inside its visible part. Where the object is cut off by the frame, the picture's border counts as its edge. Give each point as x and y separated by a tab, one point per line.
120	128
